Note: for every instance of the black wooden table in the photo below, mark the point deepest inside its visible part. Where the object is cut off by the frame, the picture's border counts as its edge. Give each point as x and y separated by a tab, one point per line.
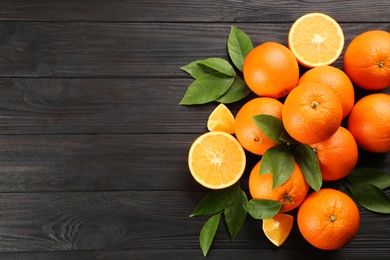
93	143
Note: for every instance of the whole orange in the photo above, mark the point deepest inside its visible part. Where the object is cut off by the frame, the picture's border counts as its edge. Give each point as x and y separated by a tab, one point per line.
247	132
369	123
337	80
328	219
290	194
312	113
367	60
337	155
271	70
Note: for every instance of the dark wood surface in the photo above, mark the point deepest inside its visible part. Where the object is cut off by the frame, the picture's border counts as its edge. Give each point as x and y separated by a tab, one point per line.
93	143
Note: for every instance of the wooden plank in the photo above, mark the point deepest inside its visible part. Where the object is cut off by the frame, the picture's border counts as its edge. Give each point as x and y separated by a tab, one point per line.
55	49
137	222
203	10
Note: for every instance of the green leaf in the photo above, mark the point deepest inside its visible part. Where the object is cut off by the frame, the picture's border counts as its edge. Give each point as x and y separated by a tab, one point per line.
206	88
371	197
195	69
237	91
219	65
207	233
308	161
371	176
278	160
239	45
235	211
213	203
285	137
271	126
262	209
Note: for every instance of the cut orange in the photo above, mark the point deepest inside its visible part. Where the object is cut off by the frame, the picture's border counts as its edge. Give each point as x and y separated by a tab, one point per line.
316	39
277	228
216	160
221	119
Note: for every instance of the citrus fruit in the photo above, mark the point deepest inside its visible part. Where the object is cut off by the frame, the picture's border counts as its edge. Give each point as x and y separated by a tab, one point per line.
369	123
290	194
367	60
337	80
216	160
312	113
328	219
316	39
221	119
247	132
277	228
337	155
271	70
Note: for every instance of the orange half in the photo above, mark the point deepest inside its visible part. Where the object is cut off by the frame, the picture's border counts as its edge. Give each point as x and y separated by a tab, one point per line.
216	160
316	39
278	228
221	119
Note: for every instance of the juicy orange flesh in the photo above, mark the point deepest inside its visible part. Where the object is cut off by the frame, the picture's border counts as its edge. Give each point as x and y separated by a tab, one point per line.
217	160
221	119
317	40
278	228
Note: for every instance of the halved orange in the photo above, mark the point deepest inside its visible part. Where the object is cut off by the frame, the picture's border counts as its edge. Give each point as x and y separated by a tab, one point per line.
216	160
277	228
316	39
221	119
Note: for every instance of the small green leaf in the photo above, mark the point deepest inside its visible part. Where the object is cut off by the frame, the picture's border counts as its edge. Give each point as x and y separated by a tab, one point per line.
206	88
195	69
235	211
213	203
271	126
371	197
239	45
285	137
219	65
237	91
262	209
207	233
371	176
308	161
278	160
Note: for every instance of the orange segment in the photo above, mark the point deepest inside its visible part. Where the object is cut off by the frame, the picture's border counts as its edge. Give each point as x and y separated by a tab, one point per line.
216	160
221	119
316	39
277	228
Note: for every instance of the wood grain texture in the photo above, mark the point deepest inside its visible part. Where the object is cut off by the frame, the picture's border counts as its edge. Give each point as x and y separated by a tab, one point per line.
177	11
55	49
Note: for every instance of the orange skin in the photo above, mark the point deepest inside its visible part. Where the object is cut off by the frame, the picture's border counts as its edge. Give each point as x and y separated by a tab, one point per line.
369	123
337	80
328	219
367	60
291	193
312	113
245	128
271	70
337	155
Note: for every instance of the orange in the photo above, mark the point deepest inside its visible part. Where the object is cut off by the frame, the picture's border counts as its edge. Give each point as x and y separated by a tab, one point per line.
216	160
290	194
337	155
316	39
247	132
328	219
337	80
367	60
221	119
312	113
271	70
369	123
277	228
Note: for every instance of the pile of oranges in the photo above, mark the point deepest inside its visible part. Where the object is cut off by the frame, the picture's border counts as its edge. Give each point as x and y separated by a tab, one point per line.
312	106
